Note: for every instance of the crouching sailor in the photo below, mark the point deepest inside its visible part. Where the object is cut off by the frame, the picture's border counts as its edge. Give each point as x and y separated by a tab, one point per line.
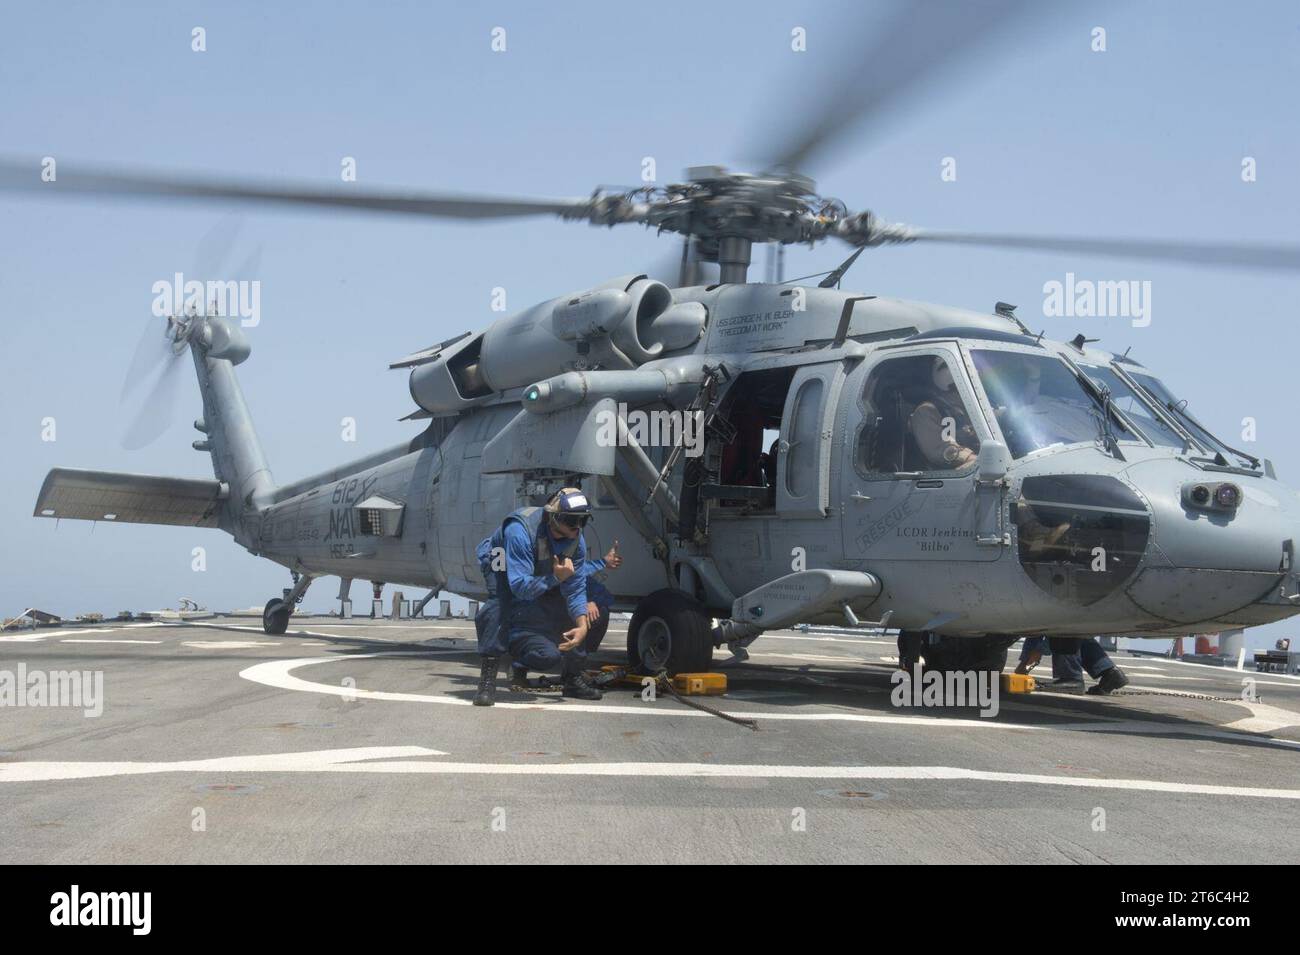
543	608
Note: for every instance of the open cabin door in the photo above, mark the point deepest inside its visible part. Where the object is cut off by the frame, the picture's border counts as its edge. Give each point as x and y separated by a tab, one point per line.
803	464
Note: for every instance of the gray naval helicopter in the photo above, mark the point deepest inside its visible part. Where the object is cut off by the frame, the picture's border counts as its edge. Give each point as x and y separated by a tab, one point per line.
769	454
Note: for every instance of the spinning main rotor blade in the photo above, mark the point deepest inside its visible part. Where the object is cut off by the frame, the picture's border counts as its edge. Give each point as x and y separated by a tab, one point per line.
25	176
924	43
1265	256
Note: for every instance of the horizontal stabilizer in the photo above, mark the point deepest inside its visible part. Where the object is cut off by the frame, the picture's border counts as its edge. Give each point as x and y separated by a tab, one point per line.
73	494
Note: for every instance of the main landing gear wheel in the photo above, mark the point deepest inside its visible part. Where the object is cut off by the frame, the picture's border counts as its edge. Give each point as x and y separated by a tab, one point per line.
967	653
670	631
275	616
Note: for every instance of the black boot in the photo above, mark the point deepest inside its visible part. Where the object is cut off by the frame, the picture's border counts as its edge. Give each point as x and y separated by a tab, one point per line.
518	678
487	682
1110	681
577	687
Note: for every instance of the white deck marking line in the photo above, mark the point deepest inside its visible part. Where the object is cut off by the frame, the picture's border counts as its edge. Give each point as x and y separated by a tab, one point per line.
1043	683
1130	727
853	640
151	642
1264	719
466	628
279	674
352	761
227	644
812	657
332	636
312	761
1248	669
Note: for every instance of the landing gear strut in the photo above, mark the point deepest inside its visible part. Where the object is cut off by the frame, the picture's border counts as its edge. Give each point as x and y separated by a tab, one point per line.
275	615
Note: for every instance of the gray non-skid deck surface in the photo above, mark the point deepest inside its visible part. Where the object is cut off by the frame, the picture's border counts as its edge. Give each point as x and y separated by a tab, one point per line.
352	741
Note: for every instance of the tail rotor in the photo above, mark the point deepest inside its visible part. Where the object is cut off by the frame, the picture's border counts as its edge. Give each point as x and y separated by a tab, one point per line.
150	394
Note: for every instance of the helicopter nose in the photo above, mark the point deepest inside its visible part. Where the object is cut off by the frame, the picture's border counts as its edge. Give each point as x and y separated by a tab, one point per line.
1218	550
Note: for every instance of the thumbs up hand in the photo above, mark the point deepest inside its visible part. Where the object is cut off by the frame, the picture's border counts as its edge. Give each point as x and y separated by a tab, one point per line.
613	560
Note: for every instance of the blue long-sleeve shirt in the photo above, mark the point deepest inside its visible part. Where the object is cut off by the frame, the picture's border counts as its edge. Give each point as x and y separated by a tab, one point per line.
520	564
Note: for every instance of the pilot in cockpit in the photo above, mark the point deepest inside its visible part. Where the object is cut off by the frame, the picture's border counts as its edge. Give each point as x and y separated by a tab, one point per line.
940	425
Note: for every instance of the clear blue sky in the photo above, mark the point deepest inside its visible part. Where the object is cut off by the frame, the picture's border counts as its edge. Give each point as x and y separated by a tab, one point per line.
1144	139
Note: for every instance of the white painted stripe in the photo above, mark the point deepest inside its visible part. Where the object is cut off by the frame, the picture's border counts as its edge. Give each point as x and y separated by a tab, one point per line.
227	644
152	642
279	674
314	761
1265	719
813	657
1227	671
349	761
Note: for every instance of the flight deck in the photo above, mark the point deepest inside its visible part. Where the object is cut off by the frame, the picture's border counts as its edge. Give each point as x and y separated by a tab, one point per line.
355	741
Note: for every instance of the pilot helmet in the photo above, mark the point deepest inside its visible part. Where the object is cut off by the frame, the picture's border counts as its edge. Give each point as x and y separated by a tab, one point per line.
942	375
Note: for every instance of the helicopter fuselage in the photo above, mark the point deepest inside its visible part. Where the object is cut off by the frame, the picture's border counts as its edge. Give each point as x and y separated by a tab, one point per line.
1086	536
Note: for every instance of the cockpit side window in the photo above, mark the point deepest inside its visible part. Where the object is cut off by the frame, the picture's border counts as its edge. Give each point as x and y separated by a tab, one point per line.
1038	401
914	419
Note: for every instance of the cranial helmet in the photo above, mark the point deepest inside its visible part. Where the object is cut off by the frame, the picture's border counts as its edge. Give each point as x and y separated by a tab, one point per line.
943	379
569	506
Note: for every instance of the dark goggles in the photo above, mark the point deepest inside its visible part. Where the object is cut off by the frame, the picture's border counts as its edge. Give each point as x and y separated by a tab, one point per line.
573	520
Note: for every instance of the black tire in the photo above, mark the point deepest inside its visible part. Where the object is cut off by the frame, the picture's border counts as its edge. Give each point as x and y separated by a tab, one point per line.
275	622
670	631
968	653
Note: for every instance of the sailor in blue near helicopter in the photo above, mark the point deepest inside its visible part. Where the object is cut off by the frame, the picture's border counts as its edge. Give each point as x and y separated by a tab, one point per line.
544	605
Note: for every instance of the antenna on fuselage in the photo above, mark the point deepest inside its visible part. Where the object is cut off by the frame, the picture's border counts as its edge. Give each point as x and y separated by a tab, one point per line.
834	277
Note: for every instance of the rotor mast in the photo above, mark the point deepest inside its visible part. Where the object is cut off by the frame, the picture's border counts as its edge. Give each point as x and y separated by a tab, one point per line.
734	254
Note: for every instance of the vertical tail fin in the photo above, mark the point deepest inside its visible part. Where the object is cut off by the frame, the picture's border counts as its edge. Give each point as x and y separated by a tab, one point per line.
237	457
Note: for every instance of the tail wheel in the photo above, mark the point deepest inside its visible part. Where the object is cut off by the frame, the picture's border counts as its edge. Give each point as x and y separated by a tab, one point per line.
275	617
670	631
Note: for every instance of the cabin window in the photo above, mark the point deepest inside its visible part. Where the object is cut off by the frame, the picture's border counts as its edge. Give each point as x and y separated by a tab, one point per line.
805	426
915	419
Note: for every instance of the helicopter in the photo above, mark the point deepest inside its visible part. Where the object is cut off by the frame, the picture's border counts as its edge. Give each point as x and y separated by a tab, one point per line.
837	458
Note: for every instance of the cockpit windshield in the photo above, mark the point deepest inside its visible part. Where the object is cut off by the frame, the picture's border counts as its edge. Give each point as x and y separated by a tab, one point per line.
1178	409
1135	407
1039	402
